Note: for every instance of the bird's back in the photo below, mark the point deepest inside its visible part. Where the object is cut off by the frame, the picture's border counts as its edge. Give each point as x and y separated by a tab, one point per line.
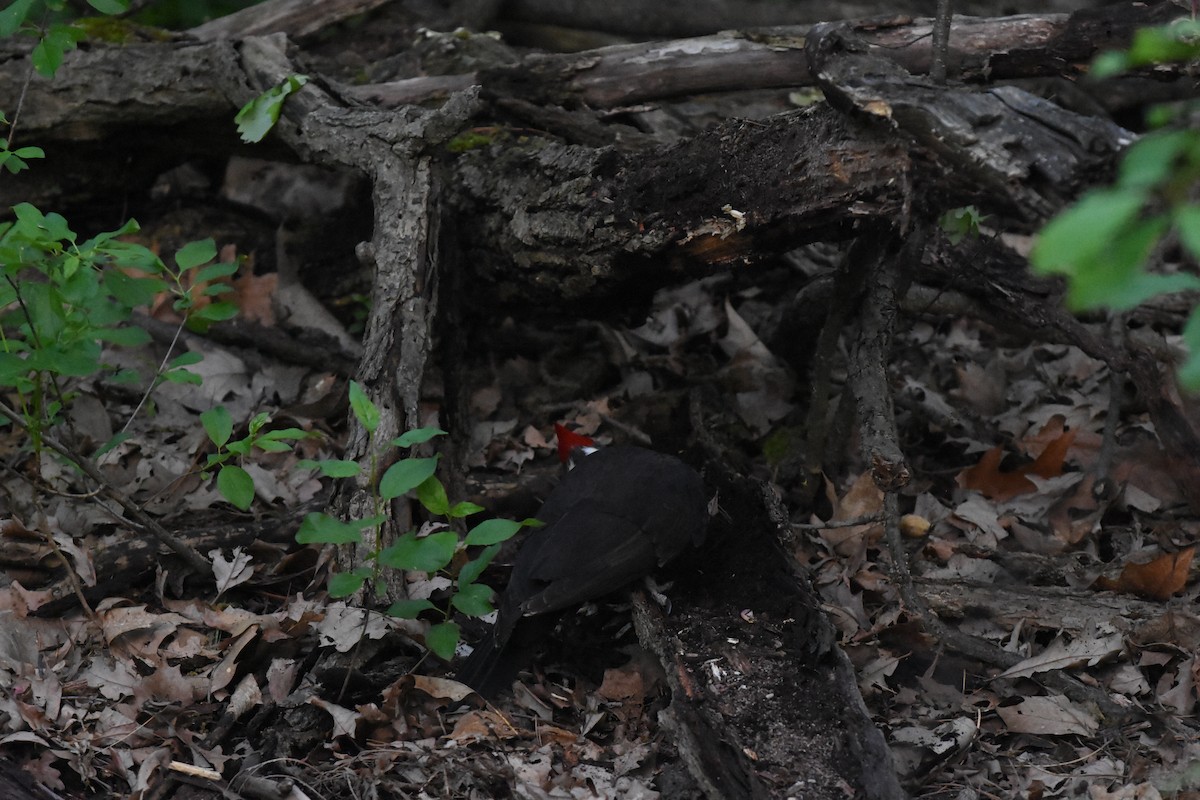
617	515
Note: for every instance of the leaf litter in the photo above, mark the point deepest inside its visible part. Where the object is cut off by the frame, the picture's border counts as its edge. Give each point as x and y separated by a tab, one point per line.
1012	540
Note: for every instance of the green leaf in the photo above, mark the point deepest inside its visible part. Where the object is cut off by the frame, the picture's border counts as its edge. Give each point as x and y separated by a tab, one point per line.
1115	277
1151	160
1189	372
492	531
1187	223
125	337
111	443
131	291
218	425
442	640
185	360
344	584
417	436
463	509
406	475
214	312
1108	64
236	486
432	494
182	376
78	360
38	227
474	600
47	56
257	422
256	118
409	609
276	441
319	528
426	553
331	468
213	271
12	162
1163	44
13	16
475	567
99	241
1143	286
281	434
110	7
960	222
1083	232
193	254
365	411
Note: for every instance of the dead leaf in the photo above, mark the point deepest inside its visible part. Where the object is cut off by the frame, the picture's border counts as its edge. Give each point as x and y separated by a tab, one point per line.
623	684
223	673
986	477
1156	580
441	688
252	295
229	573
862	499
1048	716
476	725
1088	649
246	696
1175	627
345	720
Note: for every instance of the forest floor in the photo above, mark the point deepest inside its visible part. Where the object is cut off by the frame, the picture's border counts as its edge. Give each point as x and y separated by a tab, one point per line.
1042	517
1011	537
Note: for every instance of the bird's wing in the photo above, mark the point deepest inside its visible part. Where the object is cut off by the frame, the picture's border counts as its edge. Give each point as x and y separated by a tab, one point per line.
590	551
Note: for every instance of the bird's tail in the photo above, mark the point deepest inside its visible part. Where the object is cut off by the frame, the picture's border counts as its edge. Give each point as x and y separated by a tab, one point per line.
479	664
497	659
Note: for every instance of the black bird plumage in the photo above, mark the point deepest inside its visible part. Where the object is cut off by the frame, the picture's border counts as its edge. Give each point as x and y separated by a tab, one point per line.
614	518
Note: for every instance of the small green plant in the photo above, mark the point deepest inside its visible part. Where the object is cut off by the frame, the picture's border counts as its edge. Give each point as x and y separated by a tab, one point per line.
55	38
1102	242
959	223
233	481
61	299
14	160
431	550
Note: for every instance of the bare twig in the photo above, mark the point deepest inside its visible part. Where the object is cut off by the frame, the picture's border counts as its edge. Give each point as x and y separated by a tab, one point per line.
843	523
941	40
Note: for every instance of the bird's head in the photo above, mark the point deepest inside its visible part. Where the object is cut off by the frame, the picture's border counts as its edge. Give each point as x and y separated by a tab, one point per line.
572	446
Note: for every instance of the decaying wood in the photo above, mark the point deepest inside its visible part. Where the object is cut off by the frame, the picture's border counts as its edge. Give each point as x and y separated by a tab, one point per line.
1077	612
620	75
664	20
1021	151
584	220
765	704
296	18
15	783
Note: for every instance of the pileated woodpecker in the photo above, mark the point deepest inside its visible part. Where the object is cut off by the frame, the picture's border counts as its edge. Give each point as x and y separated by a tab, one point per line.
617	514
